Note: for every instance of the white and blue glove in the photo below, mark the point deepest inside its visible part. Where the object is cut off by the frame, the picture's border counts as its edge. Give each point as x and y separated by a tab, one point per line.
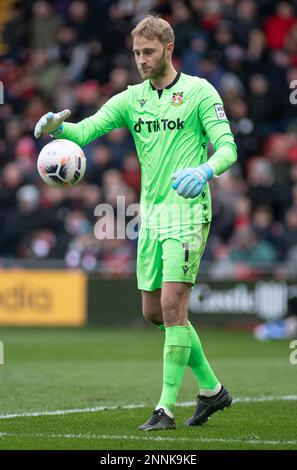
189	182
51	123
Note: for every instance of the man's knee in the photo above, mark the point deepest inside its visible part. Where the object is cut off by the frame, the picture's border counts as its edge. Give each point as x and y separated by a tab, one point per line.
151	306
153	316
174	303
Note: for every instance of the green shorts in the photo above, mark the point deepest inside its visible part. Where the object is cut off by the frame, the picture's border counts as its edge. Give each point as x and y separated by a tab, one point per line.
169	257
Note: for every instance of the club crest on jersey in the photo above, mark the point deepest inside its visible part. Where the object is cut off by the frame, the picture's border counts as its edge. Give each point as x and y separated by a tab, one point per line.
177	99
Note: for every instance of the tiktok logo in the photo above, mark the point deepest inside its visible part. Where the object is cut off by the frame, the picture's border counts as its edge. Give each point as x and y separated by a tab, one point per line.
159	125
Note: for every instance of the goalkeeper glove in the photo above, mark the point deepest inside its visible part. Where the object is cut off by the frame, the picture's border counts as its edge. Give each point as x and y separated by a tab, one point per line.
51	123
189	182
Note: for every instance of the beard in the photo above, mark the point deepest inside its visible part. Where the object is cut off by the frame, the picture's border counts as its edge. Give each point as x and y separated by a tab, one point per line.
157	71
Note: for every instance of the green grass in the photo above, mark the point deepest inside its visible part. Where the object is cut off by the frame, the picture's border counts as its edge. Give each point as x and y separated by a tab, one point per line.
61	369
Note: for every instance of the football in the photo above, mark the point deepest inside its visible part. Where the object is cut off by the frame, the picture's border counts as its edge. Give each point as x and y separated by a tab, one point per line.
61	163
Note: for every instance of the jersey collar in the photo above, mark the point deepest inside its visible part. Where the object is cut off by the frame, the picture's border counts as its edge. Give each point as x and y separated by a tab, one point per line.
177	77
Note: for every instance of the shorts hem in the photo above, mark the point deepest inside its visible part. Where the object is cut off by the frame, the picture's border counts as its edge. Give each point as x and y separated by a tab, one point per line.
149	288
180	280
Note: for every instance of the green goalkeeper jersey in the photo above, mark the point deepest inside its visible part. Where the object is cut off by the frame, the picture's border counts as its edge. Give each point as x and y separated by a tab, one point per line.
171	131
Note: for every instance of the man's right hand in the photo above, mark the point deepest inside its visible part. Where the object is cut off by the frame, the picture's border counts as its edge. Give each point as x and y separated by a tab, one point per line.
51	123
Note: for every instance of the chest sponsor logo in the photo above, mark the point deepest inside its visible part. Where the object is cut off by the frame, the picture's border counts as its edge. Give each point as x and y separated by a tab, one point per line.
159	125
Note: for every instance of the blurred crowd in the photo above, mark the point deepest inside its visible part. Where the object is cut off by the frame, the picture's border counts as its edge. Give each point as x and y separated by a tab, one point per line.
77	54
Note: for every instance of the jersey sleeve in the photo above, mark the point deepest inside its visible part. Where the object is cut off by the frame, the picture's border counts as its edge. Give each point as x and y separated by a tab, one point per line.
110	116
216	125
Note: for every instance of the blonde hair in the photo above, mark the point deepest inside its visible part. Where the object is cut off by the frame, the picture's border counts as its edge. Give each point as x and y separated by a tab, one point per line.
151	27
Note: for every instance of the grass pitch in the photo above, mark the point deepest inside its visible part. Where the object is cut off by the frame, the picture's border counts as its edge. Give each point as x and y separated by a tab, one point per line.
55	384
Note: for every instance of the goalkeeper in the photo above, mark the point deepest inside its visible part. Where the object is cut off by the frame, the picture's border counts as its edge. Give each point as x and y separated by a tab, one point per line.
172	117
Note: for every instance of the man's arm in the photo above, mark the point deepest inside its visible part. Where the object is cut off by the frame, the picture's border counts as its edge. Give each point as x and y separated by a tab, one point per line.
214	122
189	182
110	116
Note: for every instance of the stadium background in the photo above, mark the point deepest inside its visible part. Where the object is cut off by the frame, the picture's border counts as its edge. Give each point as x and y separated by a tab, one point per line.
76	54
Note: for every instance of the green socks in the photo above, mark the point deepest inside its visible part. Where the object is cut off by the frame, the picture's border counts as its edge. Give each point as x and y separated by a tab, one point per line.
197	361
177	350
199	364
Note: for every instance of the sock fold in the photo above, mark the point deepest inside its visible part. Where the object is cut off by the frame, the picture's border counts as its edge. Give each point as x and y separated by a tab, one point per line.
203	373
177	348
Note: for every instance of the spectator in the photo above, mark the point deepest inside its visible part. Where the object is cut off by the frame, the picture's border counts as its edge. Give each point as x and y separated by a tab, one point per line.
245	20
44	25
247	248
279	25
15	32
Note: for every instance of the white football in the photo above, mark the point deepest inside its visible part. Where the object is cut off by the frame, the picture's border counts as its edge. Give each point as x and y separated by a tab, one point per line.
61	163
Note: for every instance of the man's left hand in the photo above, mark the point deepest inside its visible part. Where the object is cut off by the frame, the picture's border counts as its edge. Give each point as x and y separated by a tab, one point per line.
189	182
